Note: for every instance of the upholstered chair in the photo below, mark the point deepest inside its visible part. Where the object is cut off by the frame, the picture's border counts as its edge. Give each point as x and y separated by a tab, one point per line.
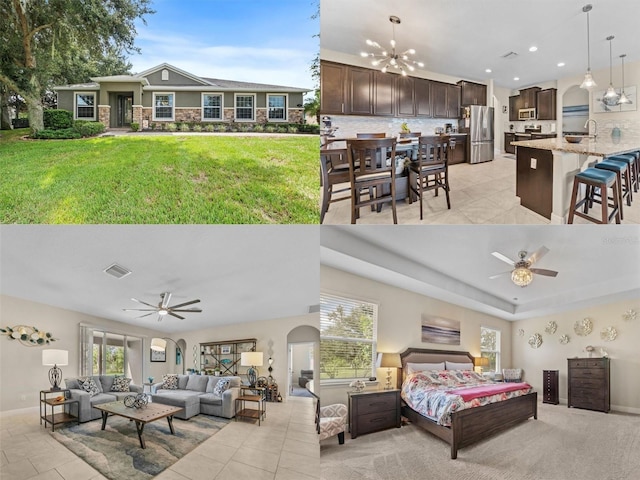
512	374
332	420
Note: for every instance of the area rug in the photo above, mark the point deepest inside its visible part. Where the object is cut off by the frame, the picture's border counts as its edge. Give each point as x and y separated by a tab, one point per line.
116	453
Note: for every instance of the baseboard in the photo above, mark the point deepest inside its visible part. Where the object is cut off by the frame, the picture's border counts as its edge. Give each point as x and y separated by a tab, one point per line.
614	408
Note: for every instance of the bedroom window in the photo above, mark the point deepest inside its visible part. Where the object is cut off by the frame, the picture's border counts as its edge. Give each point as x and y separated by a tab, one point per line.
490	348
347	338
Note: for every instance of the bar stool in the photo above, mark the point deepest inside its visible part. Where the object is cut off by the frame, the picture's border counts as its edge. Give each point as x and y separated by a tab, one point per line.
594	178
632	160
623	173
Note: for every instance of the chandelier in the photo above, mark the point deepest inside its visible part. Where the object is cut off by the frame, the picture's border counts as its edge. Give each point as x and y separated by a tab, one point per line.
611	98
588	81
392	59
521	276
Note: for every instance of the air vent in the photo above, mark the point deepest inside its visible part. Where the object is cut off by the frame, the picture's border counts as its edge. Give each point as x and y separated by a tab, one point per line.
510	55
117	271
314	308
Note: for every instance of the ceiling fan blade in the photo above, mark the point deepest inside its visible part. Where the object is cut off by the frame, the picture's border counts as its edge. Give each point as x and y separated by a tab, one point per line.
184	304
493	277
160	318
140	309
505	259
542	271
146	314
177	316
192	310
144	303
538	254
166	297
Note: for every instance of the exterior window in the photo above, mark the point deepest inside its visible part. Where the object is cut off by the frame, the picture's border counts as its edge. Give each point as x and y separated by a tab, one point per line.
85	106
277	107
165	75
211	106
163	104
490	348
109	353
244	107
347	338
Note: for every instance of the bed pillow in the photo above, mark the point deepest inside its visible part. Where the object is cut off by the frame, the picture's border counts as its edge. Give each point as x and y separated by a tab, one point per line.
459	366
421	367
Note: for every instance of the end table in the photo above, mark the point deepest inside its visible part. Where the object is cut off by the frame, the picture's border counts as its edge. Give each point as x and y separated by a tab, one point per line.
56	418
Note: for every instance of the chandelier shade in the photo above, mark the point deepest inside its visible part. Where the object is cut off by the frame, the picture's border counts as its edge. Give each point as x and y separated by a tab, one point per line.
623	100
522	276
588	82
611	97
392	59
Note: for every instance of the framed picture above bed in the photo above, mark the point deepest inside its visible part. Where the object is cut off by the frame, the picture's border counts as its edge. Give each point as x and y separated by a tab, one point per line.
440	330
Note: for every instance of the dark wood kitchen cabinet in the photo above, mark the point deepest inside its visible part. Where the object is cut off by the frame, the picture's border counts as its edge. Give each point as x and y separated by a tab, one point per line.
360	82
472	93
445	99
589	383
406	96
422	90
514	107
373	411
550	389
508	138
333	81
528	97
383	93
453	101
459	153
547	104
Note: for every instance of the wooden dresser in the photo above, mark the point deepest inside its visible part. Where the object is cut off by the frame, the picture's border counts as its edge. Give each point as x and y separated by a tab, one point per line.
372	411
589	383
550	388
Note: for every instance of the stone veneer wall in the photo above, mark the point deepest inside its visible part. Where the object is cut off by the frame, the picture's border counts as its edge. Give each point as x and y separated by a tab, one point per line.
137	115
296	115
104	113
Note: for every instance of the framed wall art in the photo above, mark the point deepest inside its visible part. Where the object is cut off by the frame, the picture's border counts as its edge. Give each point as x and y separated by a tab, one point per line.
158	355
440	330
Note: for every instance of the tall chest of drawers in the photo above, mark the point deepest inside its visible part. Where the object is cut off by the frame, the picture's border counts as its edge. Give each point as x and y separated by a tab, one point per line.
373	410
550	387
589	383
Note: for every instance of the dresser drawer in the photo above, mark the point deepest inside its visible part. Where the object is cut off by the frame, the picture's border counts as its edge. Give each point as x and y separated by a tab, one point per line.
577	382
377	403
597	373
590	403
374	410
587	362
376	421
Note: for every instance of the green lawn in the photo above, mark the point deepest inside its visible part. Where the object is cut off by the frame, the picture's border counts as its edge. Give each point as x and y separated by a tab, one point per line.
159	179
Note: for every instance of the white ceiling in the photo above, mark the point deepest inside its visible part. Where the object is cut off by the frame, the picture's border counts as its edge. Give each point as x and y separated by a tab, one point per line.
240	273
596	265
462	38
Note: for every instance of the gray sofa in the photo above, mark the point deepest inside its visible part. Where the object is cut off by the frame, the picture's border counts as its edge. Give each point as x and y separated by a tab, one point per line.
195	395
305	377
84	409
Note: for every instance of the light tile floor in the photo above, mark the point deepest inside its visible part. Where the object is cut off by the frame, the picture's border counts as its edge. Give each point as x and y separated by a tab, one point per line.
483	193
284	447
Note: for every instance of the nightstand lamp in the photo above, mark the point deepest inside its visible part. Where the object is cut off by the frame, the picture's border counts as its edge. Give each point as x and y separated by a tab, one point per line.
55	358
388	361
481	362
252	360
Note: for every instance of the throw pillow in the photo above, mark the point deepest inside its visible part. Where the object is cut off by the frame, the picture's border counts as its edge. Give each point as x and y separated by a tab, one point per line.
169	381
221	386
89	386
120	384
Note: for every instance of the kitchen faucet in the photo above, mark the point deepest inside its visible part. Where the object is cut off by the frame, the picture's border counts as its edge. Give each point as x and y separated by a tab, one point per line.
595	127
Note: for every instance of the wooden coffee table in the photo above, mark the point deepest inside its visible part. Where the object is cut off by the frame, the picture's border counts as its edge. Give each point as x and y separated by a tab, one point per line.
149	413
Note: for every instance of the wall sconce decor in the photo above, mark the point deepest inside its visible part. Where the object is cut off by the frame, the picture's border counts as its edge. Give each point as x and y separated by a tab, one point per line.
29	336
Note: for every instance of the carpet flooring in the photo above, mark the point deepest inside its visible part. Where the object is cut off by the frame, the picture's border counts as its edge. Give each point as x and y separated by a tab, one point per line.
563	444
116	453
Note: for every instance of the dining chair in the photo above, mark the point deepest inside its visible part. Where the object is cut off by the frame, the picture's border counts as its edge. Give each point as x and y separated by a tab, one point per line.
373	182
334	170
410	134
371	135
431	170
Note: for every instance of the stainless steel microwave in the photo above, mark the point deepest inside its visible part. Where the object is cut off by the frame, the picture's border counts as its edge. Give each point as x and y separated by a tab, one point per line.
527	114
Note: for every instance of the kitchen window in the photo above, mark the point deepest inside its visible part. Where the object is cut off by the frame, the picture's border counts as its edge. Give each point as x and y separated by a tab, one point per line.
245	107
347	338
490	348
85	106
277	107
212	106
163	106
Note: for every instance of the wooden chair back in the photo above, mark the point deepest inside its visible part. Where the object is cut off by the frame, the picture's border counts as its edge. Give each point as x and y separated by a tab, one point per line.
371	135
368	156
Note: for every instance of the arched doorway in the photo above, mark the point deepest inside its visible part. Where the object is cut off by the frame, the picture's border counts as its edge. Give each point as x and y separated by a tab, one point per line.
575	110
303	346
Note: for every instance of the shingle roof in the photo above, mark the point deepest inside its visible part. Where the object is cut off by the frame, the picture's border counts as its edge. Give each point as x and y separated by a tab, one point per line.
232	84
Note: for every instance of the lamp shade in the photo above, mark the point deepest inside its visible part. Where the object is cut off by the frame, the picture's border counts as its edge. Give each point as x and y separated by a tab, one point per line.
55	357
389	360
251	359
158	344
481	362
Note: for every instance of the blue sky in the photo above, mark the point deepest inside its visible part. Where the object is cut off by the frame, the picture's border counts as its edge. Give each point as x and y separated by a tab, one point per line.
263	41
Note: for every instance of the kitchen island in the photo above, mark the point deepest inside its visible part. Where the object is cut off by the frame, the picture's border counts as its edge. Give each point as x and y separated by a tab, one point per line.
546	169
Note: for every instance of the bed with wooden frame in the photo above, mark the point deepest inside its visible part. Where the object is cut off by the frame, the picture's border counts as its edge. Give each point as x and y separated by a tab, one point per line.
474	424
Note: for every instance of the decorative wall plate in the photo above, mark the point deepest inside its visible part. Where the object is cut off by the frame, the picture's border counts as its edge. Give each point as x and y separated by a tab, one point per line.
564	339
551	327
521	332
535	340
608	334
583	327
630	315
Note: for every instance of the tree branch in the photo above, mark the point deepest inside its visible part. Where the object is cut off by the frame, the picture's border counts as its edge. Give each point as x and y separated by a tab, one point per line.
10	83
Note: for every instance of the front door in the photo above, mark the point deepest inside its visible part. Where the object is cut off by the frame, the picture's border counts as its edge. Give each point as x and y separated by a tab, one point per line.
125	110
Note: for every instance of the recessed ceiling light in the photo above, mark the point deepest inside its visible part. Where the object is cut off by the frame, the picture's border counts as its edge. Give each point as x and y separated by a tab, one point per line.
561	64
488	70
516	78
533	49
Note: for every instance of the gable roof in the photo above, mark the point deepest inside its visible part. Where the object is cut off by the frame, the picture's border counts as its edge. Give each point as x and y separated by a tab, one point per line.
162	66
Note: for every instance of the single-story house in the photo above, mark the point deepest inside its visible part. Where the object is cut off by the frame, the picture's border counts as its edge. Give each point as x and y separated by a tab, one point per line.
166	94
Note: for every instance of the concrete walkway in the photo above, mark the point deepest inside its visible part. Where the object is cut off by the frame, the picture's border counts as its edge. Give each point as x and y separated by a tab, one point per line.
114	132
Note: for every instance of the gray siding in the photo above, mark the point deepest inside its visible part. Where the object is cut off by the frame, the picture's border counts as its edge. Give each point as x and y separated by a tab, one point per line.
189	99
65	100
295	99
174	79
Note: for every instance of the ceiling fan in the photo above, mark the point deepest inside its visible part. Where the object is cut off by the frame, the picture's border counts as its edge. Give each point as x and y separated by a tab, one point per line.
163	308
522	274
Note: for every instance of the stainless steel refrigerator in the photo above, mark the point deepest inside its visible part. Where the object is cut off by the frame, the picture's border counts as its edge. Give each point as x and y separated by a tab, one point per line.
479	126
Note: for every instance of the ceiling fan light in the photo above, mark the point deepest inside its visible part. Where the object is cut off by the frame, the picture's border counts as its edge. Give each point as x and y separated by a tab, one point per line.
364	54
522	276
163	311
420	64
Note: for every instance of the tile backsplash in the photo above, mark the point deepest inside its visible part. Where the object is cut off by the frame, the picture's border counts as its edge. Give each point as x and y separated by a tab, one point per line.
350	125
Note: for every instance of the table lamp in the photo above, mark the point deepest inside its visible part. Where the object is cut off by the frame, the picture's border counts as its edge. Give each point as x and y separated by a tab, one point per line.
55	358
252	360
481	362
388	361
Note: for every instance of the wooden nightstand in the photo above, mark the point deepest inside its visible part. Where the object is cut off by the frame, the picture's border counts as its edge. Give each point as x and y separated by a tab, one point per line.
372	411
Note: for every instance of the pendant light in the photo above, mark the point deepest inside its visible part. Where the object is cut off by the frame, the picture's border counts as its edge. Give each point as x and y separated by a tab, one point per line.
611	98
588	81
623	98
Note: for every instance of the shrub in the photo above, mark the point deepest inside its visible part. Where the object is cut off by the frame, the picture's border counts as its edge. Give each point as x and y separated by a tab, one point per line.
197	127
258	127
269	128
184	127
179	125
209	128
170	127
292	129
220	127
88	129
244	128
308	128
57	119
153	126
59	134
135	126
282	129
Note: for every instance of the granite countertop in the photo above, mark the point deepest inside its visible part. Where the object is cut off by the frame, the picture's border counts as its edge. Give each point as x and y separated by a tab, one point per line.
589	146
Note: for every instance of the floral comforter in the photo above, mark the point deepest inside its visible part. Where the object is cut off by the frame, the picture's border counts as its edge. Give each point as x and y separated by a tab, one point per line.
437	394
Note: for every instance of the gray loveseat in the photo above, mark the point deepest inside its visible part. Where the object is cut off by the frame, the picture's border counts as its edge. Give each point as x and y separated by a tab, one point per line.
195	395
84	410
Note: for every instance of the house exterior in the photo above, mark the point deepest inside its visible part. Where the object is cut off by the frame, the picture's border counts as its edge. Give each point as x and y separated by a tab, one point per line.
166	94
